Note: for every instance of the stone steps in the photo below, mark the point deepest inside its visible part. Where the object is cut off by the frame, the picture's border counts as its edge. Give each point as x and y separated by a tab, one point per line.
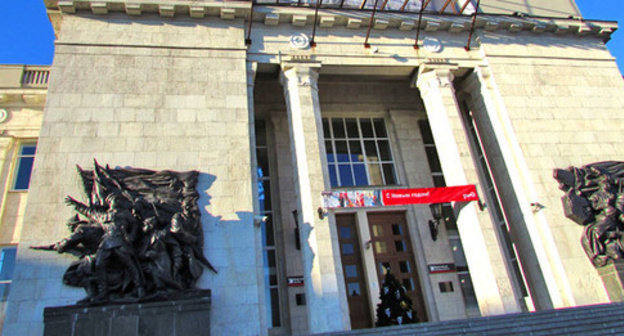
604	319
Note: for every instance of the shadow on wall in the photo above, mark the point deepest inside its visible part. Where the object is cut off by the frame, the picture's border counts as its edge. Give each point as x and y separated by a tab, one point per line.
228	245
226	242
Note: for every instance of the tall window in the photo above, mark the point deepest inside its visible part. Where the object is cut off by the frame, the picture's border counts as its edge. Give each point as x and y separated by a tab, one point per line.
461	266
25	159
268	236
358	152
7	264
494	202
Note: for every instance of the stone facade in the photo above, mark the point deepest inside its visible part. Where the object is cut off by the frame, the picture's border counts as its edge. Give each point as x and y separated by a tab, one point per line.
181	86
22	110
22	98
188	111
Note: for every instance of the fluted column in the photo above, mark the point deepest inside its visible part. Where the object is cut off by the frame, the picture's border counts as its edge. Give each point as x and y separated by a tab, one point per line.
326	301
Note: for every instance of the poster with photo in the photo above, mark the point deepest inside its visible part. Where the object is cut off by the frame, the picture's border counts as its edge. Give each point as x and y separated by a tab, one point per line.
392	197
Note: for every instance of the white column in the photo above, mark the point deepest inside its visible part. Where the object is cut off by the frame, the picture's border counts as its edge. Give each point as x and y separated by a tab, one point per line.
324	286
437	93
368	261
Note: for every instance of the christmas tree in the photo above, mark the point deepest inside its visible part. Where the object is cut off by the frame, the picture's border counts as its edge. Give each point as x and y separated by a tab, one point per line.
395	307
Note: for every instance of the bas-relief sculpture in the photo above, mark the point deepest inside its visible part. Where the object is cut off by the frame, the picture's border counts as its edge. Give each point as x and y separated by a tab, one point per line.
595	199
137	238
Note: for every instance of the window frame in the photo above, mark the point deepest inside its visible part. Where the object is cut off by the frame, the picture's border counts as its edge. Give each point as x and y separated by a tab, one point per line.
361	139
18	164
274	306
9	279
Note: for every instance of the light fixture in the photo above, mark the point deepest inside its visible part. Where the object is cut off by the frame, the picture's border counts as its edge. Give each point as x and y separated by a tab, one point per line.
297	237
436	212
259	219
537	207
322	213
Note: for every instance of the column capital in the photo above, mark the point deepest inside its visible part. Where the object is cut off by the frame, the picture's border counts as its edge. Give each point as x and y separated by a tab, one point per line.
477	79
434	75
301	74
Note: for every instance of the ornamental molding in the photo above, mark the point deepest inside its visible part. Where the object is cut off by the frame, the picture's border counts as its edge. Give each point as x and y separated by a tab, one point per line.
26	97
4	114
300	75
299	41
328	18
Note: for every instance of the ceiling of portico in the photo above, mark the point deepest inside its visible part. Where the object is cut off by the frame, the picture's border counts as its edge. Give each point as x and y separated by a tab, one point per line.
377	72
357	73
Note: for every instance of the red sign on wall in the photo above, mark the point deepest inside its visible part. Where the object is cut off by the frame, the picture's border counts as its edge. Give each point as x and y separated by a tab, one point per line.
295	281
390	197
441	268
429	195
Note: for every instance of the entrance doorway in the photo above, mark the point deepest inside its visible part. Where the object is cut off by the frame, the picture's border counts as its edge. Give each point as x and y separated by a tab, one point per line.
391	245
353	271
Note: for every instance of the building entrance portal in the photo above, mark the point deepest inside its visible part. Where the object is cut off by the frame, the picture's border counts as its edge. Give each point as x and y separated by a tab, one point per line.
353	271
391	245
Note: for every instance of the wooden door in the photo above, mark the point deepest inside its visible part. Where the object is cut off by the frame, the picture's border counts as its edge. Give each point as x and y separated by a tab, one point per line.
354	276
392	247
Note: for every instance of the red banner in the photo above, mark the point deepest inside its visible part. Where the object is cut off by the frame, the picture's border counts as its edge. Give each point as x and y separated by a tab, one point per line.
429	195
389	197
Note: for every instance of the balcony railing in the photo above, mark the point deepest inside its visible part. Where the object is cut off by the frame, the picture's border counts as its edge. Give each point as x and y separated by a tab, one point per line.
458	7
35	77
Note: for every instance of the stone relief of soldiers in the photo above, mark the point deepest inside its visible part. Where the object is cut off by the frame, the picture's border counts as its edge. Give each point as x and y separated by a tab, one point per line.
138	237
595	199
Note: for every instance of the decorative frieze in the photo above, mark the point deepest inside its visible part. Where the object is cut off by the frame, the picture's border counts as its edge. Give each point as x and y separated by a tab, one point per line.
67	7
228	13
407	25
582	31
166	10
491	26
133	9
28	97
562	29
354	23
99	8
327	21
329	18
271	19
299	20
381	24
456	27
432	26
515	27
197	12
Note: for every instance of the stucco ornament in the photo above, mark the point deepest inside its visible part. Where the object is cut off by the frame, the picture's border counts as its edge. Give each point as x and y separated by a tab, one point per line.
432	44
4	114
300	41
138	236
595	199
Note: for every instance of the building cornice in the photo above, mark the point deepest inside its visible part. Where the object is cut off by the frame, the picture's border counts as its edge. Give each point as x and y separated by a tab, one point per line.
30	97
328	18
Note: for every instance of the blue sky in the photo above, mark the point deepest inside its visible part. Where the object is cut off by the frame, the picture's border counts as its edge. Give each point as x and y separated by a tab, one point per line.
26	36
